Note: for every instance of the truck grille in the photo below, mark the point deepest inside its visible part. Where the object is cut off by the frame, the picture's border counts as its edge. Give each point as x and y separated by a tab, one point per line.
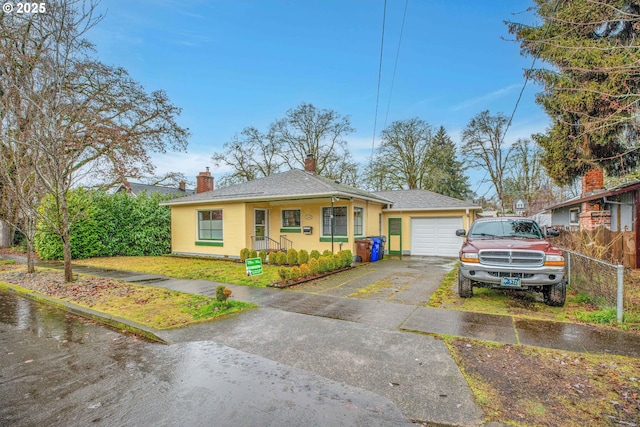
512	258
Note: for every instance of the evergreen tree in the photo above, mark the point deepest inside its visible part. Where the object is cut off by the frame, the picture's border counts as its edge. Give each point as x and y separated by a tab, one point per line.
591	87
446	173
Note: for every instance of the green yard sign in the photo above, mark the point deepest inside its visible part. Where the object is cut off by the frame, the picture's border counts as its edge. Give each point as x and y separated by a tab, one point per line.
254	266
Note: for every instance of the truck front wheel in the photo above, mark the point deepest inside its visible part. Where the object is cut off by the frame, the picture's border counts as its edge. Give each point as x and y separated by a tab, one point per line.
465	288
555	295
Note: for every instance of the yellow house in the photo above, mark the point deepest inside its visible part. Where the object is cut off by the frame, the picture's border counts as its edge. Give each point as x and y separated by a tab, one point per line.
299	209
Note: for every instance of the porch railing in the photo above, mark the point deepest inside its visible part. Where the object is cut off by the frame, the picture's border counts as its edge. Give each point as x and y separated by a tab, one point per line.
268	244
260	243
285	244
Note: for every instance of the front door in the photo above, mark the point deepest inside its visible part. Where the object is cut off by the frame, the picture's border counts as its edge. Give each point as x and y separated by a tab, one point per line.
261	229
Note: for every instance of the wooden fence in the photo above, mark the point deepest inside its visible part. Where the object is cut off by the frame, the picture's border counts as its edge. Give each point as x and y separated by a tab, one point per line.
616	247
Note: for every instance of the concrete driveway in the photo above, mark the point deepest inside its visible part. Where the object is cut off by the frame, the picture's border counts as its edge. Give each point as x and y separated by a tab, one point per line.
410	281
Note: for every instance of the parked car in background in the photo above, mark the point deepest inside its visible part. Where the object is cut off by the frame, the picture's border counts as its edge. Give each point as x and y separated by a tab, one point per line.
511	254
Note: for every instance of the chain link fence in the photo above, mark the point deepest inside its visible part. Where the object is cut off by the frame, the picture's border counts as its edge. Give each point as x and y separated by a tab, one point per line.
603	282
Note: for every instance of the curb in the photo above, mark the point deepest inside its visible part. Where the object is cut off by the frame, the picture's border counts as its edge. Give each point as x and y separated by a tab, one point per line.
114	322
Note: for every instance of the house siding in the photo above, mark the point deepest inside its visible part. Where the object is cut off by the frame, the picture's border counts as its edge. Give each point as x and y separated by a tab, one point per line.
562	216
406	216
238	226
622	213
184	230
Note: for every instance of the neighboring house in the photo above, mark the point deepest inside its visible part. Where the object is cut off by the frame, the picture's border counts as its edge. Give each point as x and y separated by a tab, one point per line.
617	209
302	210
520	207
136	188
614	208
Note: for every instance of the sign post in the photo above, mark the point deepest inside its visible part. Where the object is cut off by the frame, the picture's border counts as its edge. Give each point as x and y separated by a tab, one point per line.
254	266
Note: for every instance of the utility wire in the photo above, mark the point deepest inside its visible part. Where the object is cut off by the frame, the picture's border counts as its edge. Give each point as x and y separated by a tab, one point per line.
375	118
533	63
395	67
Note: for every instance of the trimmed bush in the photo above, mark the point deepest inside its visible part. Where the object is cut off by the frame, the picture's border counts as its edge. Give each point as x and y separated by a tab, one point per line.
327	252
347	257
331	264
222	293
337	261
323	264
283	272
263	255
244	254
281	259
292	257
314	254
273	258
253	253
305	271
303	256
314	266
295	273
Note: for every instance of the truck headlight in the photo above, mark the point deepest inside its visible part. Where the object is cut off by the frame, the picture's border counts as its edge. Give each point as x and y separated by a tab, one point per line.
469	257
554	260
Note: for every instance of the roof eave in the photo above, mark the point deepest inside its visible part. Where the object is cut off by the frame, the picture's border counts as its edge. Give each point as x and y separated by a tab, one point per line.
255	199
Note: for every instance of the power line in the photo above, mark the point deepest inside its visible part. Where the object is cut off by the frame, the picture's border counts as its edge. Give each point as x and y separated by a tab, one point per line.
375	118
533	63
395	67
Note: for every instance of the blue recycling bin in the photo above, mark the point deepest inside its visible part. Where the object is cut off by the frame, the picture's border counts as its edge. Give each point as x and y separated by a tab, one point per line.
375	249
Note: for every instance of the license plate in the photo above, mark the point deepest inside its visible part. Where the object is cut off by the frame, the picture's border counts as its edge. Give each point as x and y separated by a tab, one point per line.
512	282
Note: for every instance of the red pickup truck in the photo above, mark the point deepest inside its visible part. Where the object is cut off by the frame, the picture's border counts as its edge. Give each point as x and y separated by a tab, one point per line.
511	254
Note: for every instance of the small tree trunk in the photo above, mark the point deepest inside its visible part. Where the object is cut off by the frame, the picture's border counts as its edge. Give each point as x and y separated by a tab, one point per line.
31	268
66	240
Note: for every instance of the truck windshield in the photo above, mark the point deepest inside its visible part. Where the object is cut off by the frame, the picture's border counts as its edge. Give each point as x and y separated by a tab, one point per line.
506	229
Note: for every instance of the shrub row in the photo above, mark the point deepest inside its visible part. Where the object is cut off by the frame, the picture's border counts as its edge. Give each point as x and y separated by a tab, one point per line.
315	266
294	258
109	225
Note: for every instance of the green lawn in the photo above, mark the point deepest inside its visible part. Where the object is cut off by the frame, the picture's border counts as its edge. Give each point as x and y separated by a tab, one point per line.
225	271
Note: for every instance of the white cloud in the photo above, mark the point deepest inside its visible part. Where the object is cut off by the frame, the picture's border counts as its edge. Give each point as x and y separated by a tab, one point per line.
485	98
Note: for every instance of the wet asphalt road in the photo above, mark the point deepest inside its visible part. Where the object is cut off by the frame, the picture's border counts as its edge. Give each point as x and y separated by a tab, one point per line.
59	370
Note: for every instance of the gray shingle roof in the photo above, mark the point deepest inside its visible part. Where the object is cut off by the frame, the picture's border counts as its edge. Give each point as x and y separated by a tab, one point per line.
423	200
286	185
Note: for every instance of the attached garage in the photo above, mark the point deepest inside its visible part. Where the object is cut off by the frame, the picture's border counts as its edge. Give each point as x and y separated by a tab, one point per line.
424	223
435	236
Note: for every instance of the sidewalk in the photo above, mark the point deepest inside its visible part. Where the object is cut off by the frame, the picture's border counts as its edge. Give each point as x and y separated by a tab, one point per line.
406	317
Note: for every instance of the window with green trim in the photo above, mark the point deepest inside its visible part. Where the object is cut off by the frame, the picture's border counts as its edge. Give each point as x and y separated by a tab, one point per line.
339	221
358	221
291	218
210	225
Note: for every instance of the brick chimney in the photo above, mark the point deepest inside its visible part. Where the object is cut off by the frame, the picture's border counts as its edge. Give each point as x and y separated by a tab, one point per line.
592	213
204	182
310	163
182	186
592	181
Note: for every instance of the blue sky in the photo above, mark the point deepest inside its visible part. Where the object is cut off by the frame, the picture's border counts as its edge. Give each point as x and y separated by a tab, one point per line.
234	63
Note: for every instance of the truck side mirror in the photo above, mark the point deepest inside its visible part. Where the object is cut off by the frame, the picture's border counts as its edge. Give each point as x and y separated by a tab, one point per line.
461	232
552	232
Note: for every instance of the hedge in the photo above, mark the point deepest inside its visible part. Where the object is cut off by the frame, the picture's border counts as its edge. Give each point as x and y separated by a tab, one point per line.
110	225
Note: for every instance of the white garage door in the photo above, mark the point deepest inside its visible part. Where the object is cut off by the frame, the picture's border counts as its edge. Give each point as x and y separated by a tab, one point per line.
435	236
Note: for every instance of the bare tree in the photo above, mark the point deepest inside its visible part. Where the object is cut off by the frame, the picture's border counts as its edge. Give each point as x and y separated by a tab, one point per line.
251	155
403	158
87	117
308	130
483	147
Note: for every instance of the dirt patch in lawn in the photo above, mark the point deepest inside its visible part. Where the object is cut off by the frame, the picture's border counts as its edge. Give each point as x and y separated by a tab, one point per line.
529	386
